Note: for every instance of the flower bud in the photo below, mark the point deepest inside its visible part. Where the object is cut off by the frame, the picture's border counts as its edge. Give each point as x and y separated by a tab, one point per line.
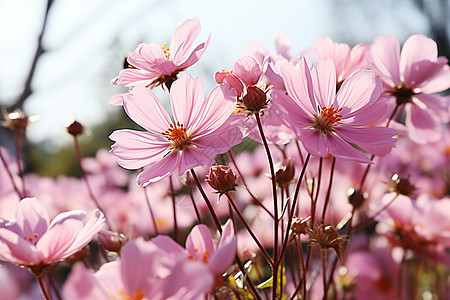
402	185
221	178
111	241
285	172
75	128
300	226
328	237
255	99
356	197
16	120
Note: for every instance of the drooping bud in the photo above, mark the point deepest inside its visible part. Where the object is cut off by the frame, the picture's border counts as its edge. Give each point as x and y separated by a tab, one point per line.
17	120
328	237
356	197
285	172
255	99
112	241
221	178
75	128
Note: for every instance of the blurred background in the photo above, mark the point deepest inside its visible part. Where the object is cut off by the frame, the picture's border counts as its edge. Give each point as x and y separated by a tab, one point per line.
57	57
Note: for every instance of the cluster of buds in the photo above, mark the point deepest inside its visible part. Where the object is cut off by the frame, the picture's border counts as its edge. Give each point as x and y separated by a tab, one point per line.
221	178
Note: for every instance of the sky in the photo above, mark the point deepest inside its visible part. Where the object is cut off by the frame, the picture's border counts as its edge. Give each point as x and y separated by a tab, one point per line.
86	41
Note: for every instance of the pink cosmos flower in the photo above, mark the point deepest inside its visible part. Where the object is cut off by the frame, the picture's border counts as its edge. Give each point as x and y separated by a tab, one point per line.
151	64
32	241
327	122
145	271
413	77
346	59
201	129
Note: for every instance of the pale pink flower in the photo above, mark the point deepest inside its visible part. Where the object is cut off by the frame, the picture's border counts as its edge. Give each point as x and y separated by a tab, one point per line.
145	271
151	64
30	240
412	77
201	129
327	122
346	59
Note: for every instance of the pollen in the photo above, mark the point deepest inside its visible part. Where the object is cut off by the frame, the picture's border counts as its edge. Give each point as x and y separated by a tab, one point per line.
177	136
34	239
327	119
166	51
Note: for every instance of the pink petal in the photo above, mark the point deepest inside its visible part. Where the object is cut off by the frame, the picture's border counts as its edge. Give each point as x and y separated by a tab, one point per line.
248	70
89	231
20	251
135	77
135	149
385	55
55	242
195	55
183	38
356	60
109	279
293	115
283	45
438	81
81	284
73	214
199	242
422	127
314	142
376	140
188	280
145	109
160	169
357	90
323	74
117	100
416	48
139	265
186	98
225	250
168	245
232	79
338	52
32	217
298	83
146	56
342	150
435	104
215	110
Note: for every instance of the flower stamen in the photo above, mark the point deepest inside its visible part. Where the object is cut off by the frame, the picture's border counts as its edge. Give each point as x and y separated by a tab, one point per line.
166	51
327	119
177	136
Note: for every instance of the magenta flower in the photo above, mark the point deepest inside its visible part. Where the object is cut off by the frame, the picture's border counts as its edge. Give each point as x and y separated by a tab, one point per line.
201	129
327	122
151	64
32	241
413	77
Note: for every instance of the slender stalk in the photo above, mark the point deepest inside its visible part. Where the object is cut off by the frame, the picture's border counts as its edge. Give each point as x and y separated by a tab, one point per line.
16	189
323	254
208	203
152	216
249	230
43	290
174	210
91	193
256	200
275	208
197	214
327	199
17	135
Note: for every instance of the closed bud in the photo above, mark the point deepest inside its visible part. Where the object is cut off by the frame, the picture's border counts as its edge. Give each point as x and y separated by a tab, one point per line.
112	241
16	120
300	226
221	178
255	99
402	185
285	172
328	237
75	128
356	197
